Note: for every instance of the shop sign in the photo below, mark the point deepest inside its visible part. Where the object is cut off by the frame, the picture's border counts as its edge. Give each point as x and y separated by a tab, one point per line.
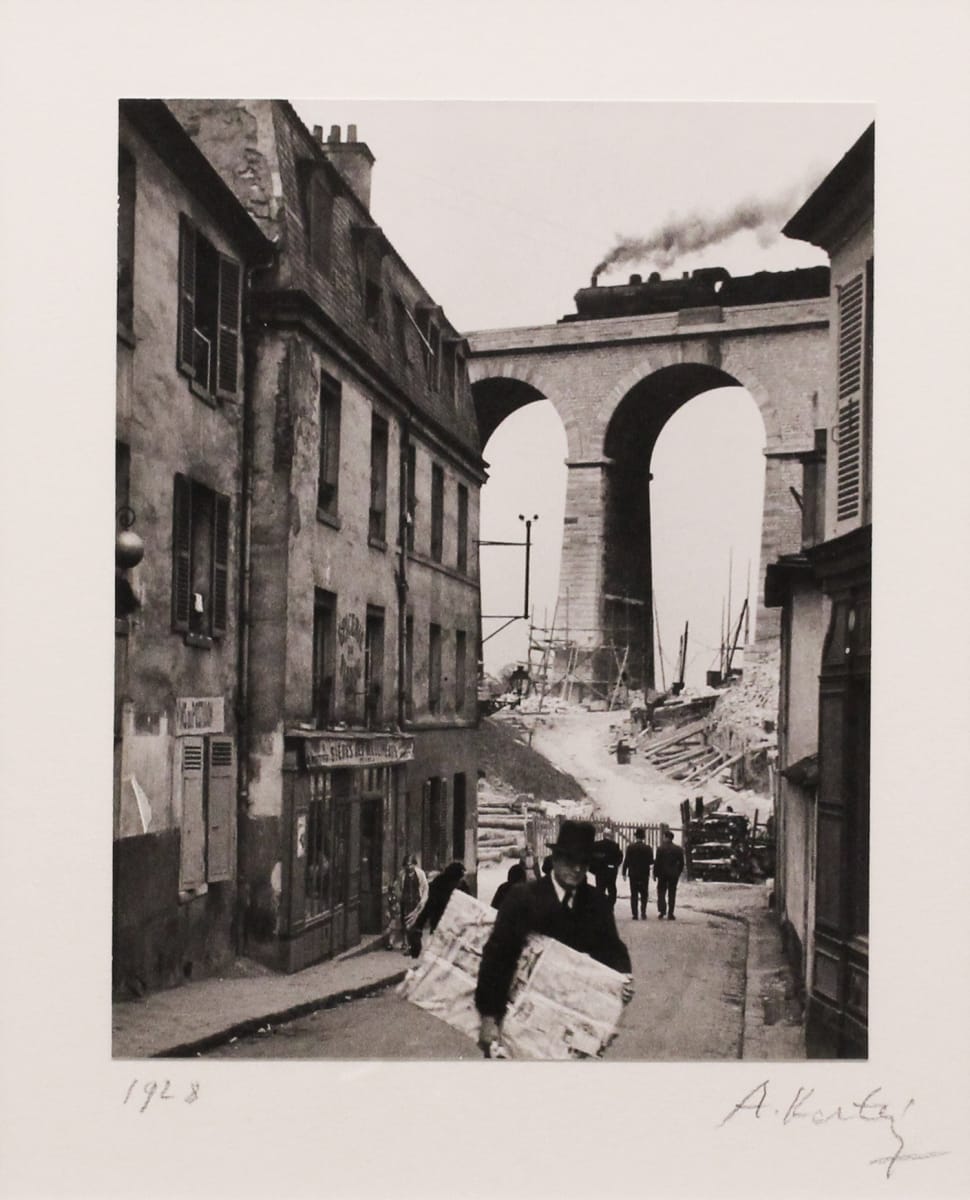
358	751
199	714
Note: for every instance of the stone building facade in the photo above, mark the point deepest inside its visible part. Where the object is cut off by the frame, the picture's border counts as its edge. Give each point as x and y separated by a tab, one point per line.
362	591
185	244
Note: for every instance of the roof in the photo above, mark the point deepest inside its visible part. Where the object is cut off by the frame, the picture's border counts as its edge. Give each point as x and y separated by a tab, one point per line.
160	126
848	186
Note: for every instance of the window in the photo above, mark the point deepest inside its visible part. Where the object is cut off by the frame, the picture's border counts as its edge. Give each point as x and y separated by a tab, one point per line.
434	357
374	666
329	467
320	205
200	560
210	299
448	370
434	669
434	842
409	667
208	774
324	656
377	529
319	845
461	678
126	239
437	511
462	556
430	343
369	247
411	492
458	817
125	599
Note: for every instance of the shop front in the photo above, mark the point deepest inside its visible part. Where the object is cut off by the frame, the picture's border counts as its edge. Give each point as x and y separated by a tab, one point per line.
342	796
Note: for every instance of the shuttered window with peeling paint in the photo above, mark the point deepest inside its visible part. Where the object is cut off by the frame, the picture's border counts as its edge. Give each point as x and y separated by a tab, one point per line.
208	826
192	860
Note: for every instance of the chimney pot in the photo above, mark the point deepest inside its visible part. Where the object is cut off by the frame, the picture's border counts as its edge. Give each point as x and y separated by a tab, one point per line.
318	133
334	134
636	279
351	133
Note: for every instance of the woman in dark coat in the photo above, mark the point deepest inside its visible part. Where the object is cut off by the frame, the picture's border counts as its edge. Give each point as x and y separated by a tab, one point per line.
516	875
439	893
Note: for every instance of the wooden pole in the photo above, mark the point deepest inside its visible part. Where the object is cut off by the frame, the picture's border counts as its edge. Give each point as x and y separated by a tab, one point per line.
660	649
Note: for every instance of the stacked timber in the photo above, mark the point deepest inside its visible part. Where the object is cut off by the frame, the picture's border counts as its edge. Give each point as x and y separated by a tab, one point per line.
689	755
501	826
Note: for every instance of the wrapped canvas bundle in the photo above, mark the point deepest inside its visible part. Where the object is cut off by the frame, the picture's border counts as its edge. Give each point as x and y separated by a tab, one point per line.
562	1004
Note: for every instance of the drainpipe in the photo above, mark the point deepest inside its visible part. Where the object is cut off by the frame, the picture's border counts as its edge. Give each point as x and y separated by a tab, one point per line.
251	331
402	574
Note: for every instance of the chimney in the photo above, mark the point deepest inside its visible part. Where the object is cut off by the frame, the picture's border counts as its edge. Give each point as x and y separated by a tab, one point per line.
352	159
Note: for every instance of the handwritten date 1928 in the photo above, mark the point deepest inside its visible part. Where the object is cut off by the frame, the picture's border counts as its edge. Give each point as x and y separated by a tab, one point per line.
151	1090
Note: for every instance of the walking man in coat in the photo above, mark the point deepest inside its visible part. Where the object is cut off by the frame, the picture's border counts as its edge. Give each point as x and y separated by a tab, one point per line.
666	870
607	857
561	905
636	864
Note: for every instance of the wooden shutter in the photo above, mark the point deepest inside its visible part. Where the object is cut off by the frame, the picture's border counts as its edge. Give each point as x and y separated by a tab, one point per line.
192	857
181	553
220	565
186	332
230	315
221	813
849	419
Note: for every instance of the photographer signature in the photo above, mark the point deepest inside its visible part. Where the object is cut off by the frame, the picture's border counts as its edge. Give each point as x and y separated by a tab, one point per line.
871	1108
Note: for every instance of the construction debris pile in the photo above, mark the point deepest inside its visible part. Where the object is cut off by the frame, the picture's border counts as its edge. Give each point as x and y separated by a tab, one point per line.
689	754
726	845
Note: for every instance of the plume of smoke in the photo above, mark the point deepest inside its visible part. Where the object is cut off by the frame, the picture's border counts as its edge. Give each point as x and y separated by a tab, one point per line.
679	236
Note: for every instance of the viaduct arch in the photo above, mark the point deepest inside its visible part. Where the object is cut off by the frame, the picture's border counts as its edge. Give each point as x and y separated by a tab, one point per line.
615	381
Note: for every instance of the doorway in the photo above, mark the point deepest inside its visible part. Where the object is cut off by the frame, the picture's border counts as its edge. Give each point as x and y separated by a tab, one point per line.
371	854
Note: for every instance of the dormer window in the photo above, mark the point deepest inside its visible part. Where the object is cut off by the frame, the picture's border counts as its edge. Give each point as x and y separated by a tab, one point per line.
369	248
320	213
430	330
453	366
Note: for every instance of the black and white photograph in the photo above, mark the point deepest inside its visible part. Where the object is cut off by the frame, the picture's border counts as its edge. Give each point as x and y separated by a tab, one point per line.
353	687
513	707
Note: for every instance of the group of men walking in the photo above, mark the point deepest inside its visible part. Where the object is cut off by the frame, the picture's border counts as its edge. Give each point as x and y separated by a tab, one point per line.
638	864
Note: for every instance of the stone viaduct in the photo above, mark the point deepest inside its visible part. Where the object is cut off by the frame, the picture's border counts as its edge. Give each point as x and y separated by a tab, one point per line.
615	380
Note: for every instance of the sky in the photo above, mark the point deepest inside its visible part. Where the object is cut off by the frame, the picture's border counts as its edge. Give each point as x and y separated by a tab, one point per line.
504	209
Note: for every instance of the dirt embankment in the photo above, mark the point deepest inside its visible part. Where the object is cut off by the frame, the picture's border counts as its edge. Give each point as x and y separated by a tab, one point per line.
510	765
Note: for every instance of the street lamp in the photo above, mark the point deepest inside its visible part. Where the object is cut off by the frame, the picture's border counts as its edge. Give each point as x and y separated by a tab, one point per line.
528	552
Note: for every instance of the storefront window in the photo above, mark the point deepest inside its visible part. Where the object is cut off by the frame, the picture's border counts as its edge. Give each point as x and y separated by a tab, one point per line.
319	856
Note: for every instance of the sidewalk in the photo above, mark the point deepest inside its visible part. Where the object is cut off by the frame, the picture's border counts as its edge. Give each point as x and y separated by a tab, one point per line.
186	1020
182	1021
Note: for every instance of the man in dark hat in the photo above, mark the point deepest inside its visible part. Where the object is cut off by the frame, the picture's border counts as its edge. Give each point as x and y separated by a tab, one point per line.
607	857
561	905
667	869
637	863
